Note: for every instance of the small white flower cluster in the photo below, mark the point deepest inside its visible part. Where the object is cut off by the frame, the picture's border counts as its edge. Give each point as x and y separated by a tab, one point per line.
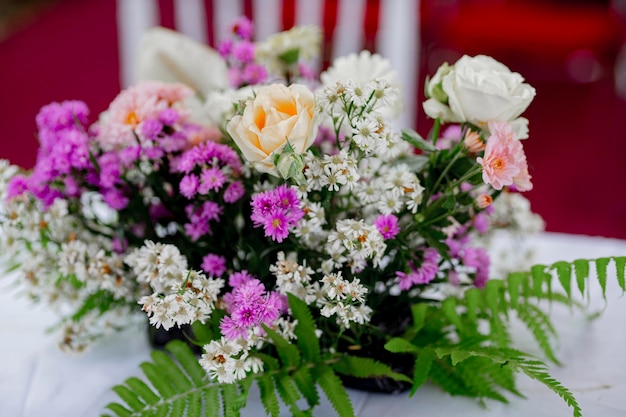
301	40
228	361
49	243
95	268
358	109
78	336
294	278
512	225
193	299
7	171
512	210
352	243
157	264
394	188
331	171
344	299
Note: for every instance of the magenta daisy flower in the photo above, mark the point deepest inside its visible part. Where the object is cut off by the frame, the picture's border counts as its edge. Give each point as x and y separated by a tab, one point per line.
387	225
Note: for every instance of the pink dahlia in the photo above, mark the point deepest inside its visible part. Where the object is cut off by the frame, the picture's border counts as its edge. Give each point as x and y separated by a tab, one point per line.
504	161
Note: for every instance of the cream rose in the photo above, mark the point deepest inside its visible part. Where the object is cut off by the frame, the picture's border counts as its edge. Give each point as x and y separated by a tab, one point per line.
276	115
480	89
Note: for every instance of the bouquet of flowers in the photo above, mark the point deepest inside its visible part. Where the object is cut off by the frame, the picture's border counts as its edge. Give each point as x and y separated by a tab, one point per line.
294	234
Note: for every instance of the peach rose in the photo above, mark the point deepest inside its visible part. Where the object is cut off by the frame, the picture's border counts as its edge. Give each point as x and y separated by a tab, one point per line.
276	115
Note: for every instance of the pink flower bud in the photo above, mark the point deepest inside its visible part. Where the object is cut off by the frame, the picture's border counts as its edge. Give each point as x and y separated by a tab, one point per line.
484	200
473	142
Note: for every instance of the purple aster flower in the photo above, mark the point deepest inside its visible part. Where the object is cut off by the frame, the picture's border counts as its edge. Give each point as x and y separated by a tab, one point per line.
306	71
235	76
478	259
387	225
129	155
286	197
150	129
423	274
272	307
251	306
110	170
254	73
276	225
210	210
189	185
225	47
17	186
196	229
71	187
231	329
119	245
234	192
212	179
115	199
481	222
243	52
243	28
214	265
169	116
57	116
237	279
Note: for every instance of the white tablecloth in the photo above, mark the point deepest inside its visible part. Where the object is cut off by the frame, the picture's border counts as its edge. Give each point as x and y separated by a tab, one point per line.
37	380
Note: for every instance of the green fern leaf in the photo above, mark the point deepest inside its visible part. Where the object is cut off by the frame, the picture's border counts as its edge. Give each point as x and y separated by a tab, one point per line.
448	308
268	396
539	324
304	380
538	371
475	374
178	407
581	268
422	367
229	397
119	410
444	374
288	391
143	390
153	373
361	367
130	397
496	302
211	401
335	391
541	278
620	266
564	273
399	345
171	371
601	271
473	301
514	282
287	352
418	311
194	405
187	360
305	329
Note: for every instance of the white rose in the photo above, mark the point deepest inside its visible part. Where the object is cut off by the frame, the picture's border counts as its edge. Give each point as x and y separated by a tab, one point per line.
481	89
276	115
433	85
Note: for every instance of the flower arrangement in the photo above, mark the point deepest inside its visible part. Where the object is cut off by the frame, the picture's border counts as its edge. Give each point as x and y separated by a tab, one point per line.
300	239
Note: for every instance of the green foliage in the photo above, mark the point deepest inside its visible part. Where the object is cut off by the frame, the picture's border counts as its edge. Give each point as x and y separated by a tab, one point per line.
465	360
462	344
177	384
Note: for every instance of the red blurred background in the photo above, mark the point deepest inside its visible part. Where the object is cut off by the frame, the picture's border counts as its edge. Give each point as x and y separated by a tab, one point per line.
570	51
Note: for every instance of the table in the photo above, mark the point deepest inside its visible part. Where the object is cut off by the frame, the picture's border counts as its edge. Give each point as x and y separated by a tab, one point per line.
38	380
